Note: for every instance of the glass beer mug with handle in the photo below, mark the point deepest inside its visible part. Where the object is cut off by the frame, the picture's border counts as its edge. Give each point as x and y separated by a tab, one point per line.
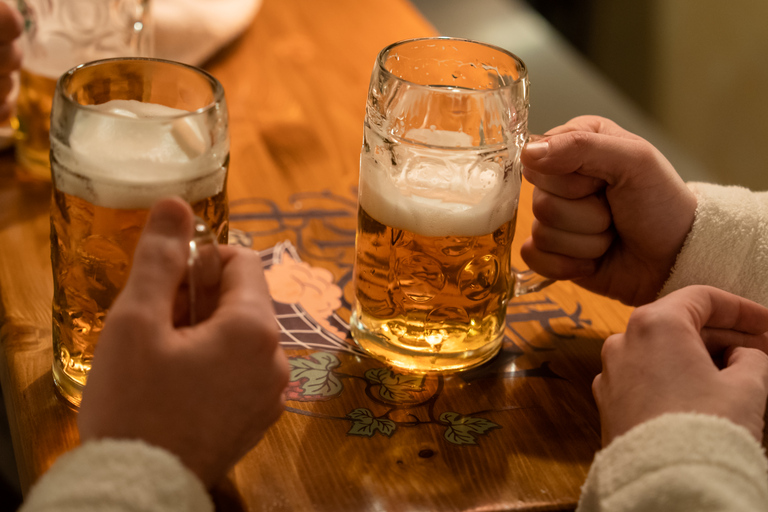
440	179
59	35
125	133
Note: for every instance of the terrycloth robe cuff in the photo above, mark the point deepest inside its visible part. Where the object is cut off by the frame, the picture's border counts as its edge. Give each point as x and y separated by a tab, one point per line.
728	244
116	476
679	462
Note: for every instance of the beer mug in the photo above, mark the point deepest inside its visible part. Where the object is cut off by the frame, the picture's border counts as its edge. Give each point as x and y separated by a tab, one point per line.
124	133
440	179
59	35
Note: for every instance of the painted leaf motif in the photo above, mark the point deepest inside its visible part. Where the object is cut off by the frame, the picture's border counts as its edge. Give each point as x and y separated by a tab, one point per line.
459	435
364	424
395	387
463	429
316	374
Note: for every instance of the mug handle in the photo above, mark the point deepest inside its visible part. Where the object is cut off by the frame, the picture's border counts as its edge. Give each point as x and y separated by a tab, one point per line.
528	281
204	272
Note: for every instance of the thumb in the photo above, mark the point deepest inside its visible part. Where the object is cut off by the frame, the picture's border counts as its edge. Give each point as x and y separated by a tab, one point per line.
596	155
750	366
160	259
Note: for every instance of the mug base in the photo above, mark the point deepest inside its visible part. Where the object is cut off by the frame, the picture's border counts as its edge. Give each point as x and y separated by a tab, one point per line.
68	388
420	361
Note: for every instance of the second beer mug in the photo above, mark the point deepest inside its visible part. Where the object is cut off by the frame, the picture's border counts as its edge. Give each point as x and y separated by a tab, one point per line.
124	133
440	180
59	35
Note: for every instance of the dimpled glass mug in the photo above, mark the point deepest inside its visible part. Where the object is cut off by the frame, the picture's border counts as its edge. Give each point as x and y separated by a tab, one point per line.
125	133
59	35
440	179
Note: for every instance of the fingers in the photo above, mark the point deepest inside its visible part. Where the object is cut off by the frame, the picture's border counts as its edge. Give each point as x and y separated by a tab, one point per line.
10	57
718	340
6	85
578	230
556	266
715	308
11	23
5	110
747	372
573	245
588	215
160	259
748	363
568	186
242	280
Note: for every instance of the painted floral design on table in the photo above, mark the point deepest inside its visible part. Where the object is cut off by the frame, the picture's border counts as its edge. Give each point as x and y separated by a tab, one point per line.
312	288
312	312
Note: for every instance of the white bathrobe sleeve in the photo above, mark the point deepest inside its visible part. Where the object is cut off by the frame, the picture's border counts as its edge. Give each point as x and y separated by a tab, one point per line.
728	244
679	463
118	476
685	461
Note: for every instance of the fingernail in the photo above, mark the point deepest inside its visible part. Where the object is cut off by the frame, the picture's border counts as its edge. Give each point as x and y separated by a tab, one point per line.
537	150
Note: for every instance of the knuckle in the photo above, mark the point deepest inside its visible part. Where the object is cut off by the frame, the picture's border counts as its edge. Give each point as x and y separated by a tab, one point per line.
257	325
541	233
646	319
542	204
603	242
597	385
611	346
581	141
646	155
258	331
601	218
283	371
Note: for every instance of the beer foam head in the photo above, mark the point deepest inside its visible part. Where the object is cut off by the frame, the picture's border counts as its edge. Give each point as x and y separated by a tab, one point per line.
127	154
440	189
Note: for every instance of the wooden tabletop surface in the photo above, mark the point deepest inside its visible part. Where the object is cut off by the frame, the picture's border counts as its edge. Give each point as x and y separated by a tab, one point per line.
517	434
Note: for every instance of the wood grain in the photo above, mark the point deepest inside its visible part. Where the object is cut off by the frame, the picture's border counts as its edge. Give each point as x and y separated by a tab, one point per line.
296	84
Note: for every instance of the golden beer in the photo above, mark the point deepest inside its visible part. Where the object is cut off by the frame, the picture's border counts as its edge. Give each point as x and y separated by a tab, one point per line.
424	301
146	129
92	255
32	123
432	261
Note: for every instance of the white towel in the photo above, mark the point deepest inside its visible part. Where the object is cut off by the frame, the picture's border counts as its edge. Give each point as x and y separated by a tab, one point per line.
192	31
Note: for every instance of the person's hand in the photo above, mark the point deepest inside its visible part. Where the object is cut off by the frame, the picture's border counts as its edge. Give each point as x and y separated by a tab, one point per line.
611	212
665	362
10	55
206	393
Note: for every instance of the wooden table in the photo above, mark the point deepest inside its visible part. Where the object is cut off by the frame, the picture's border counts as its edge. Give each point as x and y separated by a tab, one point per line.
517	434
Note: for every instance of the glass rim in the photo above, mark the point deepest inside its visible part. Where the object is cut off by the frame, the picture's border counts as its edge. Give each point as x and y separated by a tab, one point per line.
216	87
522	68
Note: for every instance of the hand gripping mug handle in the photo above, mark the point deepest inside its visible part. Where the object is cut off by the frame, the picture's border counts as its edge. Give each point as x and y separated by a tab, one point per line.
204	272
